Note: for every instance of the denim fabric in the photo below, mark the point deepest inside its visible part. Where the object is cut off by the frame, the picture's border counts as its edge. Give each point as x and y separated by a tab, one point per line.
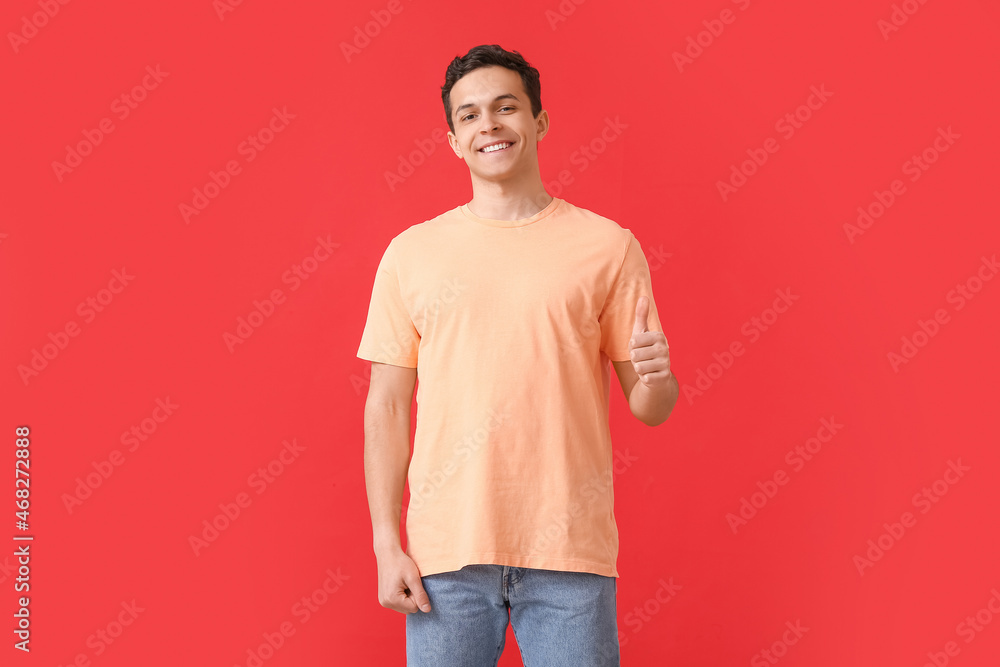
559	618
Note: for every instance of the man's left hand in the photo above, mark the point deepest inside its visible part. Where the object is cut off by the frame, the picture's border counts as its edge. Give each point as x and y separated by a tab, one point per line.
648	350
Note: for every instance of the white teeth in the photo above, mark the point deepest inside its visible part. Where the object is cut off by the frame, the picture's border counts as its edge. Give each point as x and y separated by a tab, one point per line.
490	149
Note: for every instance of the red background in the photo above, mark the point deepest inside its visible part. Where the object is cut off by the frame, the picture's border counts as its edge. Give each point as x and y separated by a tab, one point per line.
296	376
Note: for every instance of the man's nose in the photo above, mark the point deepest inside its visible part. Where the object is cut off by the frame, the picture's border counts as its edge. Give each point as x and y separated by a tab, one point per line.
489	122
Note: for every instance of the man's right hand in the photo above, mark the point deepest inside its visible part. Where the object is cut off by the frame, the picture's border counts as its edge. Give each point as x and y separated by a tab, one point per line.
399	585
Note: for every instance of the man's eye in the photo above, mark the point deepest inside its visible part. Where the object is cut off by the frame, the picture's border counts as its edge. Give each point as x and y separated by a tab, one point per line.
468	116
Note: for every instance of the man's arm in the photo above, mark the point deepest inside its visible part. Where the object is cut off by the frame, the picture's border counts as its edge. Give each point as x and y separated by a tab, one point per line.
387	459
387	449
650	407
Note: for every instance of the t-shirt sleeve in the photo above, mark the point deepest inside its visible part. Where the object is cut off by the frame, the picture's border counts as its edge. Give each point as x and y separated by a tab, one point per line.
617	319
389	336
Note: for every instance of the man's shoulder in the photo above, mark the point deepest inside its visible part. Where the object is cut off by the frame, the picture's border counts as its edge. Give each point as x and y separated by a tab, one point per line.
587	220
422	232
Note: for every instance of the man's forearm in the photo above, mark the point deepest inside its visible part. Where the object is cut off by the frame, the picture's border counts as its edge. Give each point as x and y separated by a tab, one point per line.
653	406
387	459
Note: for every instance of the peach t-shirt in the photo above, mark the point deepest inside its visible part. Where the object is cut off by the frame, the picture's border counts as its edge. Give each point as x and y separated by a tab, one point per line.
511	326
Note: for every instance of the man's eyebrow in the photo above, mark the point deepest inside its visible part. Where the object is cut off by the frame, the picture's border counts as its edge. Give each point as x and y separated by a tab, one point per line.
505	96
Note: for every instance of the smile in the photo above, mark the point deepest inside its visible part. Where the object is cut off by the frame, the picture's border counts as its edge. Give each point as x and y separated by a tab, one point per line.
496	148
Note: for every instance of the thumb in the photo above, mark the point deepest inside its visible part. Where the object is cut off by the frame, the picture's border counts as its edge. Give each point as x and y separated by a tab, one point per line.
641	315
417	593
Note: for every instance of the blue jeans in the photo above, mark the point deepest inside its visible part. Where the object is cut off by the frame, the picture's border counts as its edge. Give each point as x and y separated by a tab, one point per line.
559	618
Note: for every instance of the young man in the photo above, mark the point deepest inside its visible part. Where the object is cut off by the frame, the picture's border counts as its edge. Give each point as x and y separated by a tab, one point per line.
510	308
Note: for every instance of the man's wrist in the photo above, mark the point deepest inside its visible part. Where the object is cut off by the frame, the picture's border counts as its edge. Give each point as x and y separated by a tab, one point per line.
652	405
386	543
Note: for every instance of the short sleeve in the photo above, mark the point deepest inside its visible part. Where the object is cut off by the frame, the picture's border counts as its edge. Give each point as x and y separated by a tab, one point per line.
617	319
389	336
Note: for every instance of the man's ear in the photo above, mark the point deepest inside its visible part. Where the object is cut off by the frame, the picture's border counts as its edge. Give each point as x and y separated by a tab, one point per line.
453	142
541	125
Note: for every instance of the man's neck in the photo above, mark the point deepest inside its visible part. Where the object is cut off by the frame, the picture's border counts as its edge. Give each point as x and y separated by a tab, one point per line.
495	201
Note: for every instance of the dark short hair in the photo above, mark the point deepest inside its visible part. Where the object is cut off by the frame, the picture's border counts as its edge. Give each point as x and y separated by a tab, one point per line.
487	55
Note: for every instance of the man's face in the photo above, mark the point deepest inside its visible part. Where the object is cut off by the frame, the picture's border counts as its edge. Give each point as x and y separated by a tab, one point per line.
489	106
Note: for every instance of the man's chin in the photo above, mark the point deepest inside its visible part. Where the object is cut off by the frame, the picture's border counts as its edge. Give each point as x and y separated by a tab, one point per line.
495	174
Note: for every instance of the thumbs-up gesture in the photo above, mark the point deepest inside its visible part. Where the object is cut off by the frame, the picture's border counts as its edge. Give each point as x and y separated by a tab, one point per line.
648	350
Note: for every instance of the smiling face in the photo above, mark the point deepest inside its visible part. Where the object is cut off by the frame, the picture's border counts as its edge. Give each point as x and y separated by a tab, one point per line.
491	110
